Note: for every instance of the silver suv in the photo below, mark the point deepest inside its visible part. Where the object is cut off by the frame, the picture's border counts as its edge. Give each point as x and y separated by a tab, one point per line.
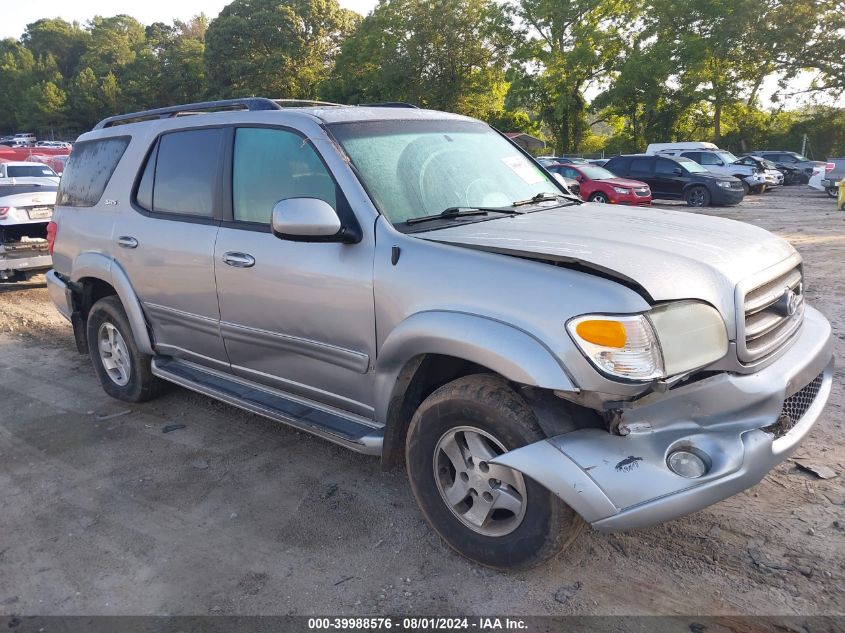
410	284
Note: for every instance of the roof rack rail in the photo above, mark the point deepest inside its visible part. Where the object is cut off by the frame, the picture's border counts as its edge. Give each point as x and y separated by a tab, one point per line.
250	103
306	101
389	104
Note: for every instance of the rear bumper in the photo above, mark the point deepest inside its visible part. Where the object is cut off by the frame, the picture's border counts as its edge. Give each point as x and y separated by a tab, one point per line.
60	293
15	263
623	482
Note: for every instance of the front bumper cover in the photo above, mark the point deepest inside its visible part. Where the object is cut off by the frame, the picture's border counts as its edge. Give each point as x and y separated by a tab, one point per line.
622	482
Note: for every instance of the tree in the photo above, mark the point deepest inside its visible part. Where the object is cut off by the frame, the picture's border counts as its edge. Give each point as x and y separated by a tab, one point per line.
273	47
445	54
573	44
64	41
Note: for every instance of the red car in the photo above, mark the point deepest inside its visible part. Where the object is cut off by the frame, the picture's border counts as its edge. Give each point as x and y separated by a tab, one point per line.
600	185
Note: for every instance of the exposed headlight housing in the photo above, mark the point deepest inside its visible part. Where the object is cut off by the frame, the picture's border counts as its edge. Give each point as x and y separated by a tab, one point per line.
670	339
622	190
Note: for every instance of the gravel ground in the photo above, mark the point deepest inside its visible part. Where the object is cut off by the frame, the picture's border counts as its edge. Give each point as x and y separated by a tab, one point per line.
230	513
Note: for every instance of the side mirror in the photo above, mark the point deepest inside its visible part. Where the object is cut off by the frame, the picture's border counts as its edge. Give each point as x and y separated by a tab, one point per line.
306	220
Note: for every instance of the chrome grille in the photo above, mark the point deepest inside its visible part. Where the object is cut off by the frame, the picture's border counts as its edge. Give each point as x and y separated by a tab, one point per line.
642	192
795	406
773	312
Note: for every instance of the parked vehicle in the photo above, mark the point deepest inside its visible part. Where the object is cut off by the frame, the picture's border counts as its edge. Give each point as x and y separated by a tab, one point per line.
774	177
25	211
26	137
61	144
27	172
678	178
562	160
409	284
599	185
834	172
797	168
715	160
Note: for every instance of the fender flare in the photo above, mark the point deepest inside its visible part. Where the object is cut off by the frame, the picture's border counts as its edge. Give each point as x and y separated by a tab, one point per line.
507	350
105	269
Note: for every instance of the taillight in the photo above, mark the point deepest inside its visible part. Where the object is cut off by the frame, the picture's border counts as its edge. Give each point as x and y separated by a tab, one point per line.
52	229
4	211
829	167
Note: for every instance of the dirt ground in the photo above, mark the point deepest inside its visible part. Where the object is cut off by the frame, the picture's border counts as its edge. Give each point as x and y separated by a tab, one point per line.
103	512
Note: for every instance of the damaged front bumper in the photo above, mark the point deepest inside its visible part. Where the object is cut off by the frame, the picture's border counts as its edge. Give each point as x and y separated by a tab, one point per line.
622	482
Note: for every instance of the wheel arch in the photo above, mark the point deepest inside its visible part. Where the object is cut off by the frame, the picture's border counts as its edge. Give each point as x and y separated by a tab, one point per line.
100	274
430	349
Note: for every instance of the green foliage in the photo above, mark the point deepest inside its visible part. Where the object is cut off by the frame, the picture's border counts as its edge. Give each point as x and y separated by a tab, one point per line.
275	48
445	54
585	75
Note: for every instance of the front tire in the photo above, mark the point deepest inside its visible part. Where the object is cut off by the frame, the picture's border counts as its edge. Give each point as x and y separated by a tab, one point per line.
488	513
123	370
832	192
697	196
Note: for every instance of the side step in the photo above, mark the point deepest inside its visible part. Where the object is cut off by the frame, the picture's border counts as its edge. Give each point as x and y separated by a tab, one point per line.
353	432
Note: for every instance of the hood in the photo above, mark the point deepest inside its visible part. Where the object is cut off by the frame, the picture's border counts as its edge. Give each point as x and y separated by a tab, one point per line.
668	254
624	182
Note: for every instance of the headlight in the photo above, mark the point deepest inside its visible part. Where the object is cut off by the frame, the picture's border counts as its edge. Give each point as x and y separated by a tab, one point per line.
622	190
670	339
724	184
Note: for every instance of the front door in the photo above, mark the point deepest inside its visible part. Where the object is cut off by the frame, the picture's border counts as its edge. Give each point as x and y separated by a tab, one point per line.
166	245
669	178
297	316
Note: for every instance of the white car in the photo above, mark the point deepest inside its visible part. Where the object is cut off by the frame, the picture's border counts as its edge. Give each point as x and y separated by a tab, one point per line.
27	173
56	144
25	211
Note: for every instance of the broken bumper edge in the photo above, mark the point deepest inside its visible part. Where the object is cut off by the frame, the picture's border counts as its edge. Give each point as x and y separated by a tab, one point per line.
620	483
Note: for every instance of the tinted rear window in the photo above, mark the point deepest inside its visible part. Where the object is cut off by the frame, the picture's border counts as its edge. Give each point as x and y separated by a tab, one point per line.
180	176
88	170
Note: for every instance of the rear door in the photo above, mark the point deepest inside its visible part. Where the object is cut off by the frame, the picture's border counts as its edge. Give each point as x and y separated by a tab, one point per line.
298	316
166	245
642	168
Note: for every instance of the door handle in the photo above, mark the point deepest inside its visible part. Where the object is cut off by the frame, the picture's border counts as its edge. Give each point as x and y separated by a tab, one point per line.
126	241
239	260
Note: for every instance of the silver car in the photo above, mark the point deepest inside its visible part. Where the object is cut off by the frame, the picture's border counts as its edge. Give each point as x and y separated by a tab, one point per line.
25	211
412	285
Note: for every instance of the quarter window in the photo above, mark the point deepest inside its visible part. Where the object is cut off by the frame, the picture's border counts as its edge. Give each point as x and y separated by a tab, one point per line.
88	171
272	165
180	176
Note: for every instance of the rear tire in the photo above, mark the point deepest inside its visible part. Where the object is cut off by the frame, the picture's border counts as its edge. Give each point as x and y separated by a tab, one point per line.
123	370
697	196
599	197
495	516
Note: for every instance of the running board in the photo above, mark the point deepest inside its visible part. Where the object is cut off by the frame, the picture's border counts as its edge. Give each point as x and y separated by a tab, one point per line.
348	430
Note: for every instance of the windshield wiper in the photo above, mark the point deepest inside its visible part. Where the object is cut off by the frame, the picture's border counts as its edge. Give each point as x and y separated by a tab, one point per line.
540	197
460	212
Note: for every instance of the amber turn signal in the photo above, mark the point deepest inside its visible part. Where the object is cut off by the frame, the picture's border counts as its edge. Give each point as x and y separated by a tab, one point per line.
602	332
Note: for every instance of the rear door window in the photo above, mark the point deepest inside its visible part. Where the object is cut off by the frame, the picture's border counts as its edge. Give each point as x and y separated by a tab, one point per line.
181	173
88	171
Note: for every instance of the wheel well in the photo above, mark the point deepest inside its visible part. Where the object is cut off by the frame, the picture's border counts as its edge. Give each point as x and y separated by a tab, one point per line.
93	290
419	378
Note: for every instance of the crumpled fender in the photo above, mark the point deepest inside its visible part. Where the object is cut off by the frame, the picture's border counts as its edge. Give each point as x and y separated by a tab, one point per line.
509	351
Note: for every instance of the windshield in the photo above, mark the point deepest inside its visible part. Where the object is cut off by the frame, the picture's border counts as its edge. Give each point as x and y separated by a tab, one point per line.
414	169
690	165
29	171
593	172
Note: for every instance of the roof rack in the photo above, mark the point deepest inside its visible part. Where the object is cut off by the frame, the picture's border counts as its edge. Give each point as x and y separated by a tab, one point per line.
286	102
389	104
250	103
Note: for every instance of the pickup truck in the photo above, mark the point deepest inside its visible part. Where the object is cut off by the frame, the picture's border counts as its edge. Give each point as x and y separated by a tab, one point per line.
25	211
